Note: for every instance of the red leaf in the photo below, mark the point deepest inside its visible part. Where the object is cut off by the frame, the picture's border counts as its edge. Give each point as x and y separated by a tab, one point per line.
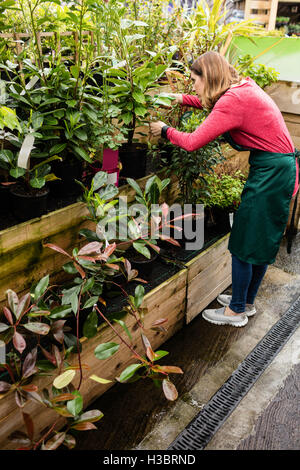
57	248
4	387
55	441
63	397
113	266
8	315
80	270
29	388
88	258
169	390
171	369
57	330
84	426
28	367
150	354
48	356
20	399
93	247
110	249
23	305
29	425
160	321
19	342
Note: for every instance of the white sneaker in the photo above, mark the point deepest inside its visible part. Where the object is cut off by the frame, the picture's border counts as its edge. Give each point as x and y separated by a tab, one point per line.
225	300
217	317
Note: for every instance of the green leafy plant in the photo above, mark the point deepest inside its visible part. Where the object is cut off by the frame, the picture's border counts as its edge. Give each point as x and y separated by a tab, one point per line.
192	166
223	191
260	73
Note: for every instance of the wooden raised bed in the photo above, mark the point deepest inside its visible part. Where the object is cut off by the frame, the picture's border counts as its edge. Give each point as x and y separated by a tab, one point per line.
167	300
180	299
23	260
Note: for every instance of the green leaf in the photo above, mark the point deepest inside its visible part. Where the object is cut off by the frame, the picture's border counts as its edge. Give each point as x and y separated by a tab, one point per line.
99	180
75	406
129	372
38	328
90	302
60	312
108	192
105	350
139	295
160	355
17	172
135	186
75	71
124	326
90	325
64	379
3	327
37	182
127	118
58	148
41	287
139	96
141	248
100	380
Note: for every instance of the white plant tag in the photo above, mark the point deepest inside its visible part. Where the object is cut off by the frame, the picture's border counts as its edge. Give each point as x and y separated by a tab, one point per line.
231	218
25	151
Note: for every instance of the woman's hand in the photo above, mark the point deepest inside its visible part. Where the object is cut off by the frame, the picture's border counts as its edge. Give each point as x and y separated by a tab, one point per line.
178	97
156	127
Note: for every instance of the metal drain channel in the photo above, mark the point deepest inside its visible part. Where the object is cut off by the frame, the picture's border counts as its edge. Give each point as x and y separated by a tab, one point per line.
203	427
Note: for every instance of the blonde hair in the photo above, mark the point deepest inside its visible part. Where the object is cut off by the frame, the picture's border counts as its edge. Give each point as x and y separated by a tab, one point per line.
218	76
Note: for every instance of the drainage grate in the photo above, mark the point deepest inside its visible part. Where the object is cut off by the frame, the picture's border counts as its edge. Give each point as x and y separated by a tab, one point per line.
203	427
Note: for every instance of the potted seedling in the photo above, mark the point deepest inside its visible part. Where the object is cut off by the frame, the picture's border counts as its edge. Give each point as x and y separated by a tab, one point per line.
222	196
29	194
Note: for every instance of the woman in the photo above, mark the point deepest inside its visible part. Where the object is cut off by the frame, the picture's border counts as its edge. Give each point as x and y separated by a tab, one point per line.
249	120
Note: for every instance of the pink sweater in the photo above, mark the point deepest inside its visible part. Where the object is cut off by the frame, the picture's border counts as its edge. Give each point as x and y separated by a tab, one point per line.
251	116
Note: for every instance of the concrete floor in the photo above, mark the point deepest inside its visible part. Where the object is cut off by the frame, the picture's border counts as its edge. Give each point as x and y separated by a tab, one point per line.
265	419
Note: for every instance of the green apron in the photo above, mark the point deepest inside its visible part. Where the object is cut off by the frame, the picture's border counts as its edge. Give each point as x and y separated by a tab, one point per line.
262	216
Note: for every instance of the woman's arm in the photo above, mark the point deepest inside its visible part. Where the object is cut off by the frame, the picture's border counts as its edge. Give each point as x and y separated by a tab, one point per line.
192	101
225	116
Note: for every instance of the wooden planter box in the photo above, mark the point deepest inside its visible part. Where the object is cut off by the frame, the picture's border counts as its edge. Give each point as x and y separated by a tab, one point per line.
180	299
167	300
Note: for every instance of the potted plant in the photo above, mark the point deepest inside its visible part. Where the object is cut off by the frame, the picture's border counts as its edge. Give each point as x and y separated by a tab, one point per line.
222	196
133	73
29	195
8	122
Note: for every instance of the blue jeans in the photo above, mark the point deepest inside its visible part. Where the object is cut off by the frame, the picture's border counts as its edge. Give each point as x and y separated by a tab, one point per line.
246	279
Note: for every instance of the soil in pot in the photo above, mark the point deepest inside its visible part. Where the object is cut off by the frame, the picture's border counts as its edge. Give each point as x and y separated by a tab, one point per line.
143	265
134	160
28	205
67	170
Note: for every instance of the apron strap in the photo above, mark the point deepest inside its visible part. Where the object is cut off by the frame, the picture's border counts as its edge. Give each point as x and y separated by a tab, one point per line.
291	233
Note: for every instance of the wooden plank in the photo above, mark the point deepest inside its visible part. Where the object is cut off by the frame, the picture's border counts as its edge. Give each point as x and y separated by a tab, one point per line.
260	5
286	95
204	259
10	416
206	286
259	18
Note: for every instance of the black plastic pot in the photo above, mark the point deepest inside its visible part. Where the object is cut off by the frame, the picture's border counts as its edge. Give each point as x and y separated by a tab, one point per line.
220	217
134	160
26	206
67	170
5	198
143	265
